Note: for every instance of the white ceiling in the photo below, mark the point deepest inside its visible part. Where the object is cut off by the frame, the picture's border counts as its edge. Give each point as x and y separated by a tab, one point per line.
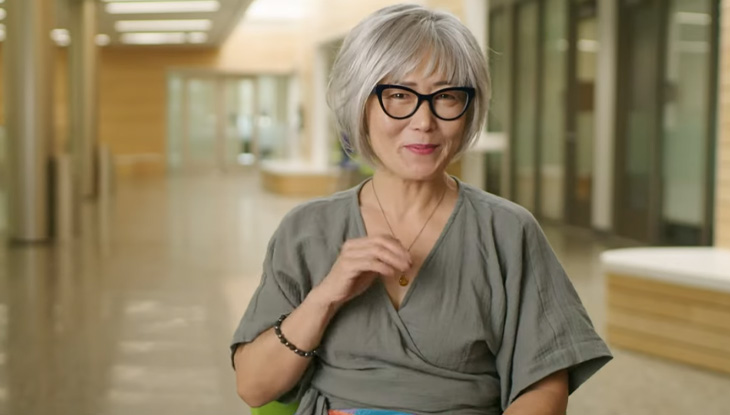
219	23
222	21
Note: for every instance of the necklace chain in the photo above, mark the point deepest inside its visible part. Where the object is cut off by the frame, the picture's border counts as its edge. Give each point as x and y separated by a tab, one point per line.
403	280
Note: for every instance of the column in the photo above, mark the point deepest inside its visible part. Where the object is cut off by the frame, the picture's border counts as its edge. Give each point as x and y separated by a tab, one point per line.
29	63
83	61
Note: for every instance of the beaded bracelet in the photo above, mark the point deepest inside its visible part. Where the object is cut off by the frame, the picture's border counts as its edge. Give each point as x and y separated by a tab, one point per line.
285	342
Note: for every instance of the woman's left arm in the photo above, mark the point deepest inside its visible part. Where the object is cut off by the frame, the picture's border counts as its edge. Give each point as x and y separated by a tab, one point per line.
548	396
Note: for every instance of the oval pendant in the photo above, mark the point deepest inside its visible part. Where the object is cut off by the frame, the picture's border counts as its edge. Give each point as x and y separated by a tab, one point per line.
403	281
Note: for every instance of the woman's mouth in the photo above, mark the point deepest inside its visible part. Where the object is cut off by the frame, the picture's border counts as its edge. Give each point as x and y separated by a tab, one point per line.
422	149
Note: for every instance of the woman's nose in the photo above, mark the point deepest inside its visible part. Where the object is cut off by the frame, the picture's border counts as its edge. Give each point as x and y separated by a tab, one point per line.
423	119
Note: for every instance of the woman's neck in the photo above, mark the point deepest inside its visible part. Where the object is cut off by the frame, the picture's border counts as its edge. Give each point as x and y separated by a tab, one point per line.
407	198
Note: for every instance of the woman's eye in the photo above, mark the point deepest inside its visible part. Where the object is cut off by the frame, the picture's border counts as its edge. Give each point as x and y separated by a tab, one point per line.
446	97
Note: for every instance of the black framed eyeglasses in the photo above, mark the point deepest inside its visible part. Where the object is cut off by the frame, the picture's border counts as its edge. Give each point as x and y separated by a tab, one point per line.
401	102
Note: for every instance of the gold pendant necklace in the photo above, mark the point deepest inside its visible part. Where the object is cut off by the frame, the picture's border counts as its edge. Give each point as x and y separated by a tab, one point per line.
403	281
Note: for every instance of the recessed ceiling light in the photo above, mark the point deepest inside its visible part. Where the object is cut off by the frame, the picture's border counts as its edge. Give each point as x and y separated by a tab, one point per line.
195	25
138	7
61	37
3	13
197	37
153	38
102	39
277	10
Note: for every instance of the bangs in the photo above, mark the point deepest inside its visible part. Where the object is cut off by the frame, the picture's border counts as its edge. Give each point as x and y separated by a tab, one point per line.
445	56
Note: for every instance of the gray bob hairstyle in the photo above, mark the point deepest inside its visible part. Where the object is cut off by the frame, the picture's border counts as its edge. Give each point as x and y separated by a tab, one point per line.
393	42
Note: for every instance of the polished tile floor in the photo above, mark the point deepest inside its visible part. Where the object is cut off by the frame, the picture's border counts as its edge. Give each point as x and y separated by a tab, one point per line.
135	317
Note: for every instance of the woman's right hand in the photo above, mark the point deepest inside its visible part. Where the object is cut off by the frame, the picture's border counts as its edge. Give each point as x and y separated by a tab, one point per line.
359	264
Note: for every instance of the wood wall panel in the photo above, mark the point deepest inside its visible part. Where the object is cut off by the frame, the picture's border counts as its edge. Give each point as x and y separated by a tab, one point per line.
133	95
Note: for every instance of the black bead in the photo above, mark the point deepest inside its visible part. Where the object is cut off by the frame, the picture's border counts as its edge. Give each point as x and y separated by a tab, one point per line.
284	341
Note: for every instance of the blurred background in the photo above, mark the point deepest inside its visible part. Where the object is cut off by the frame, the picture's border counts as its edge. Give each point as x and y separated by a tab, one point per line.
149	149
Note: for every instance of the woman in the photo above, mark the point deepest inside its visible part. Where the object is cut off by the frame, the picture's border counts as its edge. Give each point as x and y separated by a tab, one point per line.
413	292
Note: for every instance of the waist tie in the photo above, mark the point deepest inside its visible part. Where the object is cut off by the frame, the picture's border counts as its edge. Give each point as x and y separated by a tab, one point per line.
313	403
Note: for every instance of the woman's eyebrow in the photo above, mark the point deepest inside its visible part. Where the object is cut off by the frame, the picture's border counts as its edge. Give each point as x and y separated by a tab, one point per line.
412	84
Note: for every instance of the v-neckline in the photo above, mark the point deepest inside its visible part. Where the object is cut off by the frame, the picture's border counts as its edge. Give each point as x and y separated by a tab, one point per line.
362	231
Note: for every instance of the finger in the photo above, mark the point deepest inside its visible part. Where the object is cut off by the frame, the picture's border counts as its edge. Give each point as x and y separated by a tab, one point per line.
353	245
394	246
373	265
383	254
386	241
357	243
362	247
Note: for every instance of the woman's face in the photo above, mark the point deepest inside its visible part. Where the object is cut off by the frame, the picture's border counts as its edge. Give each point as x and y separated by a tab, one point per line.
419	147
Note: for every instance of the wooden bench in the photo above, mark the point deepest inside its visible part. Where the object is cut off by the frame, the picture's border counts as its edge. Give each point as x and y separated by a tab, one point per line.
671	302
289	178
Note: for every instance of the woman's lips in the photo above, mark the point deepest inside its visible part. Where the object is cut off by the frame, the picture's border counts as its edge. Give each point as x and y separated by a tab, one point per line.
422	149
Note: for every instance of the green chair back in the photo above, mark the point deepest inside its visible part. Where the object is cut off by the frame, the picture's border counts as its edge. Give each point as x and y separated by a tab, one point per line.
275	408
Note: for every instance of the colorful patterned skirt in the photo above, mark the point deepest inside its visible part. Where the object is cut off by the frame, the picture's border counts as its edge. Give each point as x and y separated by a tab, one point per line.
364	412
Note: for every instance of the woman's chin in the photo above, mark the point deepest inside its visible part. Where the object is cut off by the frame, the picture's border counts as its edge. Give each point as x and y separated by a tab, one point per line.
420	171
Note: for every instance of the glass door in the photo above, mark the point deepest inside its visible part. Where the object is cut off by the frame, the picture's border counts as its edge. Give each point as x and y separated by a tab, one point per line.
638	119
241	140
221	122
200	123
666	119
272	116
580	133
686	214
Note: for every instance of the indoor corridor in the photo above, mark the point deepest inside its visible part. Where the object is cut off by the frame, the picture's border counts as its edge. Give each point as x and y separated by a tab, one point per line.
135	317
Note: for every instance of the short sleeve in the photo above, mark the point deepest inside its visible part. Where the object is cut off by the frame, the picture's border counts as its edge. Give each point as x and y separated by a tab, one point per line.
546	327
284	284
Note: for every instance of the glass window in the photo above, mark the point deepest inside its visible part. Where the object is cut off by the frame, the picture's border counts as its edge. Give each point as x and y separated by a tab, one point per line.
685	120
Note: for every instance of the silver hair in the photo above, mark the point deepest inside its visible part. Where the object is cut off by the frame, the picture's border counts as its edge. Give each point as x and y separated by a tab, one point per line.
393	42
